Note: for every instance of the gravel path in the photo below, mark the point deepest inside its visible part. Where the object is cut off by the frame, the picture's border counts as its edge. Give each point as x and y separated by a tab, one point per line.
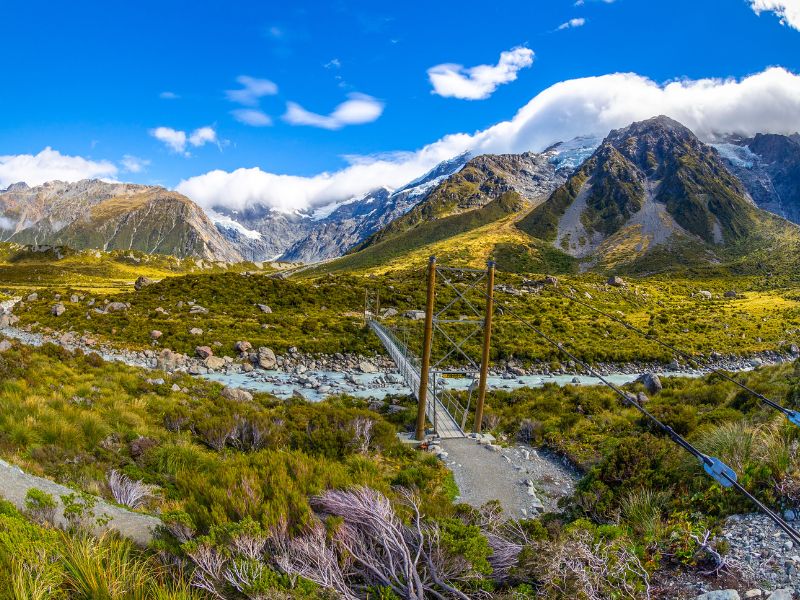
16	483
524	480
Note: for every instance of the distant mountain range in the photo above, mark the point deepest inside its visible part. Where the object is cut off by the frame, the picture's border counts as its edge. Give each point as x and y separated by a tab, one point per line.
643	190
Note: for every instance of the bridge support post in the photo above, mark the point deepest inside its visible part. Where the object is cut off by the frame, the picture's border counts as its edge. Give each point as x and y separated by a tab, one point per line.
487	339
426	350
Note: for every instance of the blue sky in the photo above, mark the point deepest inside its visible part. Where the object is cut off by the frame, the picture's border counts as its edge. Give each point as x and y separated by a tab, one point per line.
88	79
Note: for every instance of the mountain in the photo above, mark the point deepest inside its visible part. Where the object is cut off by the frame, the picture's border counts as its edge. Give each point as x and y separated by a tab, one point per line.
484	179
769	167
651	185
110	216
261	233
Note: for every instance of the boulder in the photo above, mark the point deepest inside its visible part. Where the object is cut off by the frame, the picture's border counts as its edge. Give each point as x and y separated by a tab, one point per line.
142	282
116	307
203	351
232	393
198	310
616	281
720	595
389	312
414	315
168	360
196	331
550	280
214	363
783	594
33	297
155	334
264	308
705	294
266	358
367	367
243	346
74	299
58	309
5	346
731	294
651	383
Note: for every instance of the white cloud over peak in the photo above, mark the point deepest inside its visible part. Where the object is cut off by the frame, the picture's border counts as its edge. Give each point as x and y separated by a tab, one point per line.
252	90
356	110
765	102
788	11
478	83
252	117
48	165
177	140
572	24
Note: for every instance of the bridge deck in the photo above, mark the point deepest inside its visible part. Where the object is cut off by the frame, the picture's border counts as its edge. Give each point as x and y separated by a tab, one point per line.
444	423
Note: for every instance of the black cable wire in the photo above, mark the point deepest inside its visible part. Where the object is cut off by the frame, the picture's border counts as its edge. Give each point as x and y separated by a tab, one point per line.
771	403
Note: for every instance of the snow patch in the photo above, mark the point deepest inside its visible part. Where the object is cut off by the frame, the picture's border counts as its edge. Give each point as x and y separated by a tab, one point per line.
739	156
226	222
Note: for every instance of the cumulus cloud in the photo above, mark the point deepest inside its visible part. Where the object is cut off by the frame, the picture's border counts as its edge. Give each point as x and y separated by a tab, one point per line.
478	83
572	24
765	102
177	140
252	117
134	164
49	164
788	11
356	110
252	90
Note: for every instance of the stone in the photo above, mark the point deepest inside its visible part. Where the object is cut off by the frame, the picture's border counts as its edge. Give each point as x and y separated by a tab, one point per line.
74	299
203	351
782	594
196	331
754	593
720	595
58	309
616	281
116	307
550	280
243	346
155	334
232	393
214	363
266	358
175	387
142	282
651	383
141	445
367	367
264	308
198	310
387	313
705	294
5	346
414	315
33	297
731	294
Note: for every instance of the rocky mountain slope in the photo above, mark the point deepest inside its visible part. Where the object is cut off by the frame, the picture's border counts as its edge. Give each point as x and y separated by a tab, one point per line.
651	185
769	167
111	216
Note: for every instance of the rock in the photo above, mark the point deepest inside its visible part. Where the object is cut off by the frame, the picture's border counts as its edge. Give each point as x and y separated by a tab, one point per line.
705	294
243	346
755	593
731	294
367	367
232	393
576	380
266	358
169	360
141	445
264	308
58	309
116	307
414	315
33	297
651	383
550	280
518	371
389	312
214	363
5	346
142	282
203	351
198	310
155	334
175	387
720	595
196	331
74	299
782	594
794	349
616	281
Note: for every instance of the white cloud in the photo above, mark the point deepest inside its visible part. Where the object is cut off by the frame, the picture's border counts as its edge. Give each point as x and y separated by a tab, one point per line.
787	10
252	117
572	24
356	110
765	102
134	164
49	164
177	140
478	83
168	96
251	91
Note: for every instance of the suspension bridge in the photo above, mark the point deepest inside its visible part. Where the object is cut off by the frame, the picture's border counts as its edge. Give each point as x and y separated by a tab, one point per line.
440	407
